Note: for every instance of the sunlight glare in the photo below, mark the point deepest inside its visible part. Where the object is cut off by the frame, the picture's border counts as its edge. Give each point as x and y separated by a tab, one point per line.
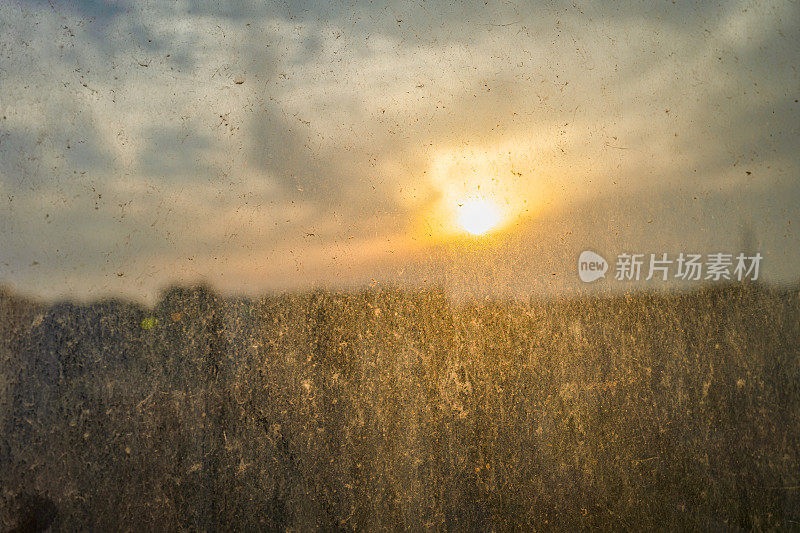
477	217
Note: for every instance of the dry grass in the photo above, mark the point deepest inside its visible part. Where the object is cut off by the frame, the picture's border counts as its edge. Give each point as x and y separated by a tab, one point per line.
393	410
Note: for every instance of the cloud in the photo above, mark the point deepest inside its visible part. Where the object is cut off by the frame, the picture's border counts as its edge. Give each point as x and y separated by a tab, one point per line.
268	145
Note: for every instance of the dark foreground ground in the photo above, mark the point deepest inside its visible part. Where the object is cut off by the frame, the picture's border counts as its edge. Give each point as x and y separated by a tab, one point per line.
402	411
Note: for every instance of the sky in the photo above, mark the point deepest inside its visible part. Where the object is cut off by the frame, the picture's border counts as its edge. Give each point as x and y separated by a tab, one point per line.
281	146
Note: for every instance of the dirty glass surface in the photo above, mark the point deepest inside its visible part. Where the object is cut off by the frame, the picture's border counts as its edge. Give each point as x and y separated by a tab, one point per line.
450	266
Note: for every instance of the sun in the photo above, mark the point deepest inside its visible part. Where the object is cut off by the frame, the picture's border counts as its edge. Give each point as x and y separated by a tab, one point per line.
478	216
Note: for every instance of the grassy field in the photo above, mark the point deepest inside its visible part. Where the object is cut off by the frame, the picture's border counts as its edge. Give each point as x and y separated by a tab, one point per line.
392	410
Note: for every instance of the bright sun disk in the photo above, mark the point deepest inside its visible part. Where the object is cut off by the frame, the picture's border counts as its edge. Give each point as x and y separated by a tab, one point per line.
478	216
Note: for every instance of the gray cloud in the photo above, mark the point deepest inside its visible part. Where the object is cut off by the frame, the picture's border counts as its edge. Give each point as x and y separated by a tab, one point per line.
129	148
